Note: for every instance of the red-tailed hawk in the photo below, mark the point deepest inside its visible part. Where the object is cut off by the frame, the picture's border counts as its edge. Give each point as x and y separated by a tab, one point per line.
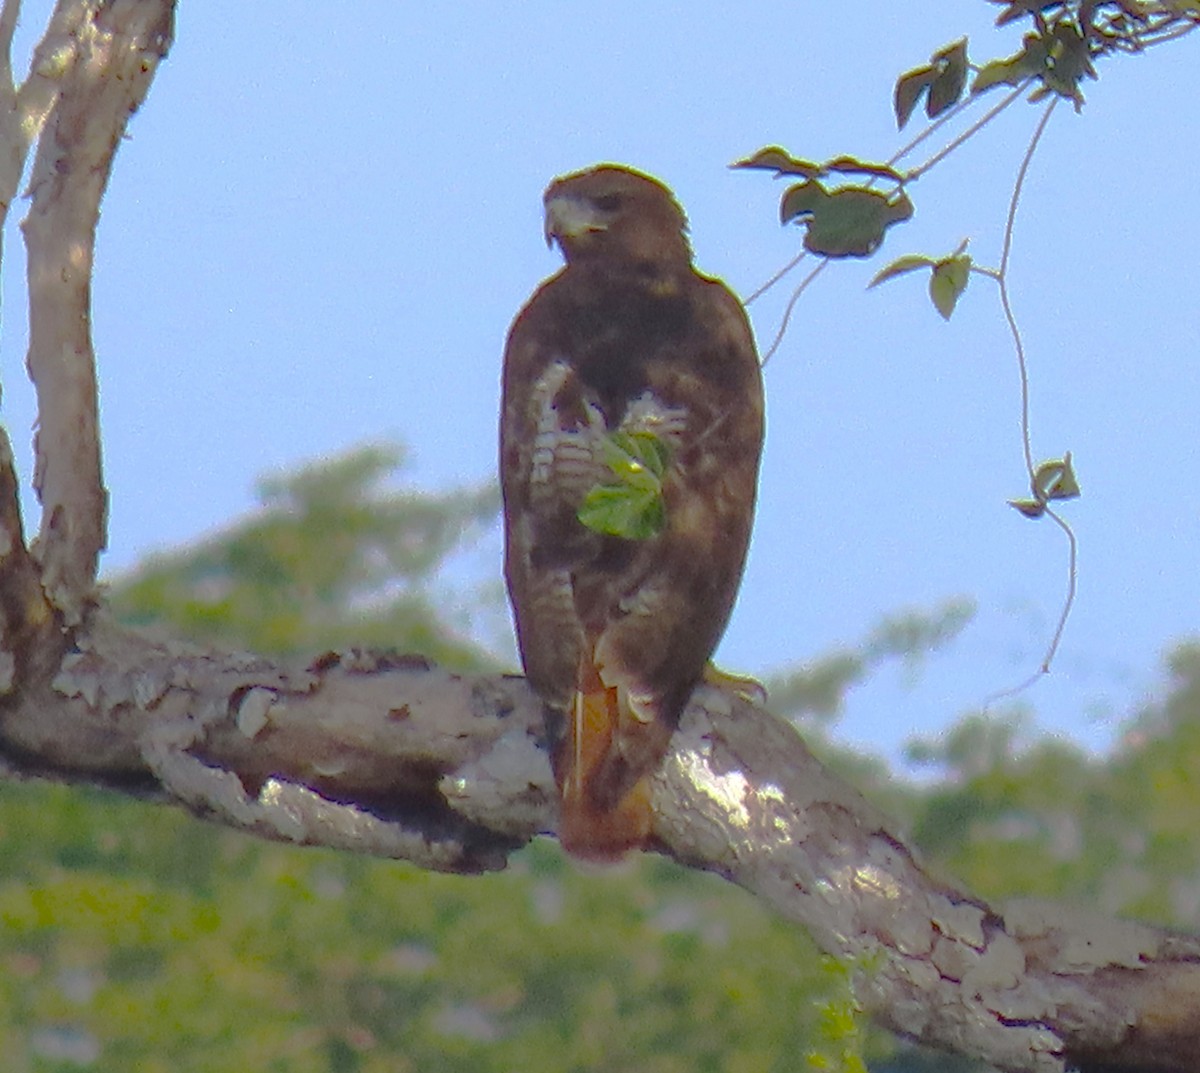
630	435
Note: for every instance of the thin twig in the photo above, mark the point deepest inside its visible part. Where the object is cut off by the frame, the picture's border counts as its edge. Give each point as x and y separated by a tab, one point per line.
970	132
787	313
1002	279
777	277
1069	602
947	116
1059	629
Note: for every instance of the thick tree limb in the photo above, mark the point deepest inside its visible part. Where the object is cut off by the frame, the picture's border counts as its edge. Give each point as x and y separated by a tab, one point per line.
386	755
101	71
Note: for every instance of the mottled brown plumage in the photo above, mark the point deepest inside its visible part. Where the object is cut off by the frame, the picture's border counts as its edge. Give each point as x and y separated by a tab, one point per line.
615	633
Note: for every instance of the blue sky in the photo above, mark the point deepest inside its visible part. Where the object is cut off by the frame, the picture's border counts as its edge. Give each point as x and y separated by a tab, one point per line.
327	215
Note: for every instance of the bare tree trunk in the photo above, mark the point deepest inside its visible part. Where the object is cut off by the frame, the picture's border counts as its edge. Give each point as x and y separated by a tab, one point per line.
386	755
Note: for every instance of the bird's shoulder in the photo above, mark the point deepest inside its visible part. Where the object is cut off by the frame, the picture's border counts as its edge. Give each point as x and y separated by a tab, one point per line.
584	303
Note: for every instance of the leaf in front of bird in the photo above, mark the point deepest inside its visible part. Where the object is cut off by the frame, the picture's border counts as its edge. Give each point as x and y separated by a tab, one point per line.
637	458
621	511
631	504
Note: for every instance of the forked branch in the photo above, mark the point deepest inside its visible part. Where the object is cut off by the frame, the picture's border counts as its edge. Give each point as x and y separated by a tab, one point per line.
88	80
380	754
386	755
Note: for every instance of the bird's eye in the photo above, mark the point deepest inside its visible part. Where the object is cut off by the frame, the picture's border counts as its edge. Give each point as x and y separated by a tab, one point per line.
608	202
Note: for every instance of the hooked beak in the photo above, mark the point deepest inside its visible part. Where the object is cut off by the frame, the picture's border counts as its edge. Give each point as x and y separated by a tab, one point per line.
568	218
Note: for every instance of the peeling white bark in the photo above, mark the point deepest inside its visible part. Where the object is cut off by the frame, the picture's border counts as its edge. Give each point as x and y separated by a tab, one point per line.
379	754
89	77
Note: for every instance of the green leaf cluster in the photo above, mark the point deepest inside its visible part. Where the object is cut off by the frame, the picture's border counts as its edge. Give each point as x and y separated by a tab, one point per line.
1057	53
1017	814
941	82
948	276
849	220
630	504
1052	480
146	940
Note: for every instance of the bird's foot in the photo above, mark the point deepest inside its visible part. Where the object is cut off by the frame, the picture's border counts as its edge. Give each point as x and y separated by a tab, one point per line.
749	689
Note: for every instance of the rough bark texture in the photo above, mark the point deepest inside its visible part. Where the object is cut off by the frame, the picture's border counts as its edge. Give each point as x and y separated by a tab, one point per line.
383	754
103	70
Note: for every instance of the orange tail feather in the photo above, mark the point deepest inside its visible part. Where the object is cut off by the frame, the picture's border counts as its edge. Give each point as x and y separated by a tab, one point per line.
585	829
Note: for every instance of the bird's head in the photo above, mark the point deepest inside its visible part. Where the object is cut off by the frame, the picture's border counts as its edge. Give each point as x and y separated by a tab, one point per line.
615	213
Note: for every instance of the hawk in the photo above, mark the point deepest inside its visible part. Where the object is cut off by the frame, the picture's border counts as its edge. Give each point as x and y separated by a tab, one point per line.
630	434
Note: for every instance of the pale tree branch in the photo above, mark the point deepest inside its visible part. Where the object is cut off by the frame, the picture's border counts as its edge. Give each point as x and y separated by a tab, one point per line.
1030	986
23	109
29	636
9	13
101	78
386	755
13	146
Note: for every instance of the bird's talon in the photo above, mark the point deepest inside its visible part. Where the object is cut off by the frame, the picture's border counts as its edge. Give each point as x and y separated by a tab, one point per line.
749	689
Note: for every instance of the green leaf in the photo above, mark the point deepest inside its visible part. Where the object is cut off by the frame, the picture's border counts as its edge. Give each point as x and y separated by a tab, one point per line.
1067	63
780	161
631	504
1058	55
621	511
1031	60
901	266
774	158
1031	508
802	199
1019	9
1010	72
948	281
850	221
1011	13
1056	479
941	81
851	165
1053	480
950	63
909	88
638	459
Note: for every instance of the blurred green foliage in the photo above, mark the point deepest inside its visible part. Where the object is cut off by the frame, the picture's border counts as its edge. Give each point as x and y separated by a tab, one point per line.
1017	815
135	937
335	556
